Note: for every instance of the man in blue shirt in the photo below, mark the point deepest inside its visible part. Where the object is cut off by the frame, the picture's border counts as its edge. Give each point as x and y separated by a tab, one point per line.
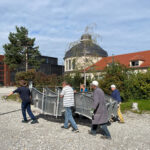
25	96
116	95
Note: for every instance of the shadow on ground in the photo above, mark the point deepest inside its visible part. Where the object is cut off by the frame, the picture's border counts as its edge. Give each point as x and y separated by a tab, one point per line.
79	119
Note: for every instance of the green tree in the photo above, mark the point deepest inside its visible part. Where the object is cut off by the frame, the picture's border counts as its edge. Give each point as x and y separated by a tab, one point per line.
20	51
116	74
138	86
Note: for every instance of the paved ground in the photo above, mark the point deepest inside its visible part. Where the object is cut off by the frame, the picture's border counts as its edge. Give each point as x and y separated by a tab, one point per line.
47	135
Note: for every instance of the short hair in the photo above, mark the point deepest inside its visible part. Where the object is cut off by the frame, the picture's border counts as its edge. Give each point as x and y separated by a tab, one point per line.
65	82
23	83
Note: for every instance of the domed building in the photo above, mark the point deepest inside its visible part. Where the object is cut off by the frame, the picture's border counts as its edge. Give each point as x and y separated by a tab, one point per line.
83	54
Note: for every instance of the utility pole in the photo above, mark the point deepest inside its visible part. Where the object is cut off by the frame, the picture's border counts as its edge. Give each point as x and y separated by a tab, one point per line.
26	55
84	51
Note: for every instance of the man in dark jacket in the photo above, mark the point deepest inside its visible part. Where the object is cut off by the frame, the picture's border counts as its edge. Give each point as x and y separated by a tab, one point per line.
116	95
100	113
25	96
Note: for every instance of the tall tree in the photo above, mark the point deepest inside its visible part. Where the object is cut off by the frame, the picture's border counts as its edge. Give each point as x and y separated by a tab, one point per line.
20	52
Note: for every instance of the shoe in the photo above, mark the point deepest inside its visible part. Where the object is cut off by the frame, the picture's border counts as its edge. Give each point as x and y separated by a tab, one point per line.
24	121
64	127
34	121
91	133
106	137
75	130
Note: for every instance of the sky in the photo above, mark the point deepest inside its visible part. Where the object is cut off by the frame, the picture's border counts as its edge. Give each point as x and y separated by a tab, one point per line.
120	26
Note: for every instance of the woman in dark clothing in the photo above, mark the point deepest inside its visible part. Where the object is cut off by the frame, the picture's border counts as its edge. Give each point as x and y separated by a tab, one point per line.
25	96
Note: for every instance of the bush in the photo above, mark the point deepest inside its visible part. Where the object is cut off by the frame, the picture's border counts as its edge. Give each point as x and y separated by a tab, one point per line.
130	84
114	74
39	79
138	86
74	80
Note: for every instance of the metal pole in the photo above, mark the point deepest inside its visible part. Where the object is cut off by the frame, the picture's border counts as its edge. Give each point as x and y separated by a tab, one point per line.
84	65
57	104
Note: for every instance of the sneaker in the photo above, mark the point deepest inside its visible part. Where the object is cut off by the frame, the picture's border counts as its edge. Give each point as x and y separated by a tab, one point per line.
34	121
91	133
75	130
24	121
106	137
64	127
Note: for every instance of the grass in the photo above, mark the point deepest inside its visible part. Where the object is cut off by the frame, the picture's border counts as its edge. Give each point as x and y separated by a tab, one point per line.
143	105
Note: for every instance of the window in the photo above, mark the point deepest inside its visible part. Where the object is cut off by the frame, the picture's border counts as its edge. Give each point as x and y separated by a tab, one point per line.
134	63
2	67
66	64
1	72
69	64
73	64
47	60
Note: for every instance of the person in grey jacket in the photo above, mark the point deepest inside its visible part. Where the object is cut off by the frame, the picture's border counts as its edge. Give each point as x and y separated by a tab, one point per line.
100	113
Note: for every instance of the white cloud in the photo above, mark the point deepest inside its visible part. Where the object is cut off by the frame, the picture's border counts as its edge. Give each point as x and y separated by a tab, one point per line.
123	25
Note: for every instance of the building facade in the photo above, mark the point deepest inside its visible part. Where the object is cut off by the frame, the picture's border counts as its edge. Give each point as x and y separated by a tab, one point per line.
138	61
83	54
4	72
48	66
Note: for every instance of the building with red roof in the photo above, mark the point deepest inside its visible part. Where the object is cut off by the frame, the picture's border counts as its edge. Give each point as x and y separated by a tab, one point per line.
4	72
138	61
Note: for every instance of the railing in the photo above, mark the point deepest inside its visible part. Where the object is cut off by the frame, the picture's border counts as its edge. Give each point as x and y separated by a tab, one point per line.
49	102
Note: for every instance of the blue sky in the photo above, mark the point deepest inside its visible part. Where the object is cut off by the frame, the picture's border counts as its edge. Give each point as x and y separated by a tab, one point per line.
121	26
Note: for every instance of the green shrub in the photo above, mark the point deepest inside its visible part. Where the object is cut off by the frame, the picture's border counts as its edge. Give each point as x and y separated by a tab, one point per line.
130	84
39	79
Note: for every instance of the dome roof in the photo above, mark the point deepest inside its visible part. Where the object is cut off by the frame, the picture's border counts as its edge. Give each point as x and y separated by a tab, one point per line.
86	47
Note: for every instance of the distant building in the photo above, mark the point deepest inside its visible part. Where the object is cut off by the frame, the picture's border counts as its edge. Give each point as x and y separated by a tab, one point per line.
48	66
83	54
138	61
4	72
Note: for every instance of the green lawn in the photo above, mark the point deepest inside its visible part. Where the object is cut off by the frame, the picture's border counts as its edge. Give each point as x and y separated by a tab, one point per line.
143	105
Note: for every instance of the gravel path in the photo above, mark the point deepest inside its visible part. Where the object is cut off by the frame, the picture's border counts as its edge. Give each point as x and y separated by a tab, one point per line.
47	134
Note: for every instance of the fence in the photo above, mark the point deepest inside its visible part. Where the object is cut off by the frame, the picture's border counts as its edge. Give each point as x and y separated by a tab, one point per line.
49	102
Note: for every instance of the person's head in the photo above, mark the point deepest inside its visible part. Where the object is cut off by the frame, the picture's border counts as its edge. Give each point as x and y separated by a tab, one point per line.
82	86
113	87
94	84
64	83
23	83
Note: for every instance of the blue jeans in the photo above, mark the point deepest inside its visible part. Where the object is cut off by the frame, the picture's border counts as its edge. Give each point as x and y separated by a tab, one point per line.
26	106
68	117
103	127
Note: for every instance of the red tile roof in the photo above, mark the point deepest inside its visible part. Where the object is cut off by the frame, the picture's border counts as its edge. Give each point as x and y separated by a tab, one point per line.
124	59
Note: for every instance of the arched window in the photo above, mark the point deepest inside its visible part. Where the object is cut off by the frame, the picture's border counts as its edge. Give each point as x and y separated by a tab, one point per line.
69	64
73	64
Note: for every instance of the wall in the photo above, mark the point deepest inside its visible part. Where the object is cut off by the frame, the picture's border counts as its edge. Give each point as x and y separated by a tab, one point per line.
80	62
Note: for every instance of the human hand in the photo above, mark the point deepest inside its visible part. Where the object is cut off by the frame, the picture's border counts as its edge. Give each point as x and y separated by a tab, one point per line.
92	111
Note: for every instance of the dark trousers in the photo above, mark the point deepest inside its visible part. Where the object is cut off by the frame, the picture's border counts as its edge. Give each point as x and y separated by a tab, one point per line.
26	106
103	127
